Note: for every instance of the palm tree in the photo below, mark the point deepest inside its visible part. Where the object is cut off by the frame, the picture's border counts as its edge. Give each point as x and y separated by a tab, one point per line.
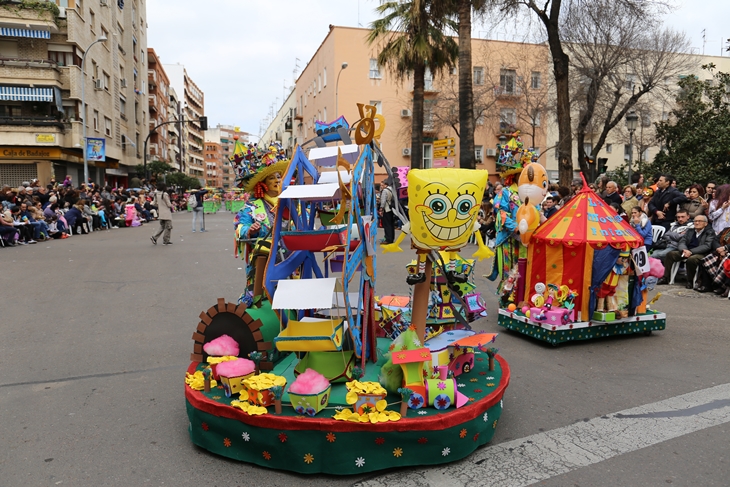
411	38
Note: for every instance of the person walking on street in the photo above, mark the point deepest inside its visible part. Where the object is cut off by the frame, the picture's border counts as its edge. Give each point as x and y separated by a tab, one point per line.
164	214
198	209
386	212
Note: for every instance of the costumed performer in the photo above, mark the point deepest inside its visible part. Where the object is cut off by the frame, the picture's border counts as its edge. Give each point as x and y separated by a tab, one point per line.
255	221
607	293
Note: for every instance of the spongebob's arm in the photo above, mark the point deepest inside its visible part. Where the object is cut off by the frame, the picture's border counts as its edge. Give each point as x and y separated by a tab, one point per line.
484	252
395	246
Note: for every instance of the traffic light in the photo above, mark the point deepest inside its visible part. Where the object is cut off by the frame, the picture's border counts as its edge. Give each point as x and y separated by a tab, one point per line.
602	161
203	123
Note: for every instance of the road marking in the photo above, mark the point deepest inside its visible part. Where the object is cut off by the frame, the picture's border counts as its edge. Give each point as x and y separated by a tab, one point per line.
545	455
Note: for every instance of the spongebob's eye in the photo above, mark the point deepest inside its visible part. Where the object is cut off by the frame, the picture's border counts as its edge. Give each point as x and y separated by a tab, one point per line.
464	204
438	203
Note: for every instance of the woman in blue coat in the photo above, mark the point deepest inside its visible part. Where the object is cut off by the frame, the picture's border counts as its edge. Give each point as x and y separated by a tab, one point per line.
642	225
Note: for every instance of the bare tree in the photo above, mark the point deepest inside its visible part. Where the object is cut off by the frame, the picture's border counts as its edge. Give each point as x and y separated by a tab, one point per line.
615	64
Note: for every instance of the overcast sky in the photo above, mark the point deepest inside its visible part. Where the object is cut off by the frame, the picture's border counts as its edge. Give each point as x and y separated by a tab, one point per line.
242	53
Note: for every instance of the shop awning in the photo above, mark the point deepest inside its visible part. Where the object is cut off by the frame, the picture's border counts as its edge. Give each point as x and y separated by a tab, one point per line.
25	93
32	33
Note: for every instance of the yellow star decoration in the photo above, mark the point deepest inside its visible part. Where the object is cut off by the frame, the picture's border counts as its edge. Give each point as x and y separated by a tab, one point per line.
308	458
216	397
424	354
196	381
473	380
494	425
380	415
249	408
402	356
398	452
331	437
490	384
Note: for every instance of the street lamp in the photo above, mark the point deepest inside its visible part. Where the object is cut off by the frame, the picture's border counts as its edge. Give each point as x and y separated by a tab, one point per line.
632	120
337	88
83	105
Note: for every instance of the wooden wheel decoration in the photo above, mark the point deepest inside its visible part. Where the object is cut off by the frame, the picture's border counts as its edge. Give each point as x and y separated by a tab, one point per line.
233	320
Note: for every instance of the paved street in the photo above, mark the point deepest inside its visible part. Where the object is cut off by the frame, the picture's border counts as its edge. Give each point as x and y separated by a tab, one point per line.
97	336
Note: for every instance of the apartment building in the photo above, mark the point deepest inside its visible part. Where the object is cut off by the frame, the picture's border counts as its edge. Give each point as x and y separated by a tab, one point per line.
42	46
213	159
280	129
510	92
158	103
191	106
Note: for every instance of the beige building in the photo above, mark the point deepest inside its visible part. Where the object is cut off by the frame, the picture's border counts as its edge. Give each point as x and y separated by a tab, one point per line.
281	128
159	103
510	93
174	141
191	106
41	51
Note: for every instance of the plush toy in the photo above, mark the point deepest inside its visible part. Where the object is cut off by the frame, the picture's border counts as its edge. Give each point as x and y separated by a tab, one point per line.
532	188
607	293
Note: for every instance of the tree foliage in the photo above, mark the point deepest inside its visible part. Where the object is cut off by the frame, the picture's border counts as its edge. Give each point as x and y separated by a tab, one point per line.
696	139
155	168
411	37
182	180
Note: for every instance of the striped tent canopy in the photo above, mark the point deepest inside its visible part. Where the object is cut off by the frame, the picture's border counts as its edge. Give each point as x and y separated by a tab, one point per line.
26	93
561	250
587	219
32	33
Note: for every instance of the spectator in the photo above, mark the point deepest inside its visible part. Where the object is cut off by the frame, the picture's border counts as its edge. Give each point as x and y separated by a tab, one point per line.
548	207
564	194
164	205
75	219
40	229
642	225
693	247
198	209
719	211
710	189
386	212
611	194
695	201
8	232
24	227
131	217
712	272
630	200
663	206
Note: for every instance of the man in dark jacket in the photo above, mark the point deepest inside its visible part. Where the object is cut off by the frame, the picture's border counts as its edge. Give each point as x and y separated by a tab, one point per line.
663	206
694	246
612	195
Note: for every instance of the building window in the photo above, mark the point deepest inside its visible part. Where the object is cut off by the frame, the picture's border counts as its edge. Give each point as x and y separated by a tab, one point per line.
428	80
507	78
535	117
324	114
556	151
627	152
378	106
645	155
107	81
96	120
92	21
478	75
104	32
427	156
108	126
646	120
507	117
374	69
609	148
324	77
535	80
478	151
319	82
630	79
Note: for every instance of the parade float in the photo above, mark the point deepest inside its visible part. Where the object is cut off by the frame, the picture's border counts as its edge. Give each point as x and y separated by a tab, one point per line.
584	276
297	374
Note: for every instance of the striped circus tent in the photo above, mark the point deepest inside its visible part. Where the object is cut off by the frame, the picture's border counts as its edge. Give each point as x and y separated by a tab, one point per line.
562	250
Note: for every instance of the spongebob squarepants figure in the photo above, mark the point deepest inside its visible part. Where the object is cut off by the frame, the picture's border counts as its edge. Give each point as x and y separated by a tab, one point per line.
443	206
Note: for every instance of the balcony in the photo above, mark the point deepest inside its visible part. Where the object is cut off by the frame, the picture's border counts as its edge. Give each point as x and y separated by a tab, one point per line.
288	125
506	92
20	17
19	71
32	121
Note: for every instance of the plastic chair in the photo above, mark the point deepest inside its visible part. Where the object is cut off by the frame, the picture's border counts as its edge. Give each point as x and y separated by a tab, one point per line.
675	270
657	233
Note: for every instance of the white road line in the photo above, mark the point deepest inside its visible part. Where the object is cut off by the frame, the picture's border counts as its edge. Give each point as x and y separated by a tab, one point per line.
545	455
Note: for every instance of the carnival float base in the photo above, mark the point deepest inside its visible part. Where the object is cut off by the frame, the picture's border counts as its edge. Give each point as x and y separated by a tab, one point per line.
582	330
320	444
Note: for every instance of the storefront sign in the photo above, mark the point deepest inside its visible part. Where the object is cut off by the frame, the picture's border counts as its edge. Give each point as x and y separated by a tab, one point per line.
29	153
45	138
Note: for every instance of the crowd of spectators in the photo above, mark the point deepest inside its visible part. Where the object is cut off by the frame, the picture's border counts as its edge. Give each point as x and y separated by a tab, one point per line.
691	226
32	213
